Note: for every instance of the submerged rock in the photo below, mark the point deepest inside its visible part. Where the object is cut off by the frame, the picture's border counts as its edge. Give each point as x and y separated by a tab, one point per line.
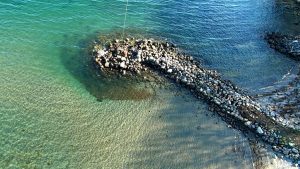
286	44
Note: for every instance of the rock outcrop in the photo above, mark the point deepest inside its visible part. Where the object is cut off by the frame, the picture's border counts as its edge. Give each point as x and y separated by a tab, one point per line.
289	45
135	57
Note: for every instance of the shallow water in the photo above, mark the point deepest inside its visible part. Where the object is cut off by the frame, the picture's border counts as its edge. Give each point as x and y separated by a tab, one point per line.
50	117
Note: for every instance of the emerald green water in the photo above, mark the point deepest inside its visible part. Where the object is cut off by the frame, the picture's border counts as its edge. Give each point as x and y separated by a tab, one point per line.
55	113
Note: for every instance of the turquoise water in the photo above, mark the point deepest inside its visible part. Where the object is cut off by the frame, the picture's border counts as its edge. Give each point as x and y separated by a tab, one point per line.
56	113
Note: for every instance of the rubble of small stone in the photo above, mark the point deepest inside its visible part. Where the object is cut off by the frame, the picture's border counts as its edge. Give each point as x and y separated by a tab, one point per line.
136	57
286	44
284	103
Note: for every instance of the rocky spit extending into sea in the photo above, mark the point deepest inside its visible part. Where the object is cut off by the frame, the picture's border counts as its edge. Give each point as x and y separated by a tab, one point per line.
286	44
139	57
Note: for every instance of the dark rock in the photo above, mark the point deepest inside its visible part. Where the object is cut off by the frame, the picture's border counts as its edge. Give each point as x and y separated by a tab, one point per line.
286	44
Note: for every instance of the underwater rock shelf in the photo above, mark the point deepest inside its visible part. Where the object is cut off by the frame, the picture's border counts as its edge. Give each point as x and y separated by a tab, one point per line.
284	103
136	57
286	44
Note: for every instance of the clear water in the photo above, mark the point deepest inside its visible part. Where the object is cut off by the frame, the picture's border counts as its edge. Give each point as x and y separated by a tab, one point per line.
50	117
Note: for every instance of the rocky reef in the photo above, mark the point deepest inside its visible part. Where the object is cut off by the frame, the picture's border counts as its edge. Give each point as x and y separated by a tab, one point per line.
286	44
138	57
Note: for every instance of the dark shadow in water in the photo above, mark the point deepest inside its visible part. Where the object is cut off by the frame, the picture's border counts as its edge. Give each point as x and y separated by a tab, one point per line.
288	15
185	140
78	60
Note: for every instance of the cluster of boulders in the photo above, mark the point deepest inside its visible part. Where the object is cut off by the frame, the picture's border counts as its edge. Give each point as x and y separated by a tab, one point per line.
285	44
283	104
134	57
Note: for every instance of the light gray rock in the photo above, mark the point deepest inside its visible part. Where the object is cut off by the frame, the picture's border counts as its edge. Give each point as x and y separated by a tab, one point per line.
123	65
294	150
139	54
106	64
101	52
248	123
169	70
152	59
123	58
272	114
259	130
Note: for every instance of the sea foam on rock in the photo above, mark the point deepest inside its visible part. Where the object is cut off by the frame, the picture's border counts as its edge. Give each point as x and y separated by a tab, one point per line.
136	56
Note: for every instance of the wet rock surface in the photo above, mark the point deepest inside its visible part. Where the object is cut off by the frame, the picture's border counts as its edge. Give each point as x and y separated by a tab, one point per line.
286	44
139	57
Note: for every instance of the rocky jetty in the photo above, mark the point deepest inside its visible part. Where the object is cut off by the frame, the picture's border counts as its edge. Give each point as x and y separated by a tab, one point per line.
136	57
289	45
